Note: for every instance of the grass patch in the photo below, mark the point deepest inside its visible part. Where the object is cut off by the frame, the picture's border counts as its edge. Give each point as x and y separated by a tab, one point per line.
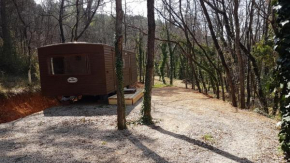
207	137
140	122
160	85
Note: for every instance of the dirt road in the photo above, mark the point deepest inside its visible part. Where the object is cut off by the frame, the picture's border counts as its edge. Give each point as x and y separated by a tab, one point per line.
191	128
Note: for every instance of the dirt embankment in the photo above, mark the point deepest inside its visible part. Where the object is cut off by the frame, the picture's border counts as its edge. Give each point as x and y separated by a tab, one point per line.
23	104
19	105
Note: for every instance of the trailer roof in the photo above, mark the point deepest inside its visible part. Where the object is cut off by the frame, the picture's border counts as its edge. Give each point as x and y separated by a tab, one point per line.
73	43
77	43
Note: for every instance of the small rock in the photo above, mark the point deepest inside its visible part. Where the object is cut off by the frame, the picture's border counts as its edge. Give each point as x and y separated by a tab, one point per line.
278	125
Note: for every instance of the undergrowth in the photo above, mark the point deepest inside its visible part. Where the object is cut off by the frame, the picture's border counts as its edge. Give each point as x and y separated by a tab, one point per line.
13	85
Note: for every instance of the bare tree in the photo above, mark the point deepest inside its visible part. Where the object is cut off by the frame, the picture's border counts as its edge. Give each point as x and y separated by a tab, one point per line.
221	55
246	51
88	18
28	35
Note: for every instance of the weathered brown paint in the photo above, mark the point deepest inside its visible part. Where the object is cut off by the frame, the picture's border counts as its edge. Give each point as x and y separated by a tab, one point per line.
99	81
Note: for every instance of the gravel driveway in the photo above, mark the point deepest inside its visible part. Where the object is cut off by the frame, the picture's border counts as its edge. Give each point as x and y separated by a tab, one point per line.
190	128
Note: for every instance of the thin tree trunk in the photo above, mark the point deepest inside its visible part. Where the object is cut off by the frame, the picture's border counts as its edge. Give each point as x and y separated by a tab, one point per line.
195	77
61	10
170	54
121	109
164	61
276	103
144	65
192	77
222	85
146	111
188	74
248	85
77	21
203	83
140	57
125	24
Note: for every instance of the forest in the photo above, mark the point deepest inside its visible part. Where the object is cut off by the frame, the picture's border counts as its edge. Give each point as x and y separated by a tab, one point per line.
236	51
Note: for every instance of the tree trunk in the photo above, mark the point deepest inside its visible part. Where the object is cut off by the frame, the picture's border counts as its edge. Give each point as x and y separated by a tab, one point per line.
239	56
222	85
202	81
121	109
164	61
146	111
276	103
195	77
29	65
248	85
140	57
60	21
171	56
143	65
75	35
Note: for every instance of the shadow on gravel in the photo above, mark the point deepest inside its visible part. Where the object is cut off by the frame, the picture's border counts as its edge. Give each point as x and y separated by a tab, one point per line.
202	144
36	157
84	109
146	151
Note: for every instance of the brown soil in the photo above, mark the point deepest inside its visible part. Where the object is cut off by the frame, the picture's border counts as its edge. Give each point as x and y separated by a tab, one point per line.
23	104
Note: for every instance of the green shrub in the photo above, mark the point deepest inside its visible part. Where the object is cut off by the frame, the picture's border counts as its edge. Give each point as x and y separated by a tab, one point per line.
282	41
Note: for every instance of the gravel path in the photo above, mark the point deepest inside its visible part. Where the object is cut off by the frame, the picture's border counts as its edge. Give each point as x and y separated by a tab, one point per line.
190	128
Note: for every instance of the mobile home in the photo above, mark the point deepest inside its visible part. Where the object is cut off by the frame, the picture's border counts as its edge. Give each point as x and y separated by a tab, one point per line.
73	69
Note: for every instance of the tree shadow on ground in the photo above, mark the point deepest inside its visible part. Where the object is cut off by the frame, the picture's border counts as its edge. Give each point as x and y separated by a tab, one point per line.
146	151
86	110
106	136
36	157
81	139
203	145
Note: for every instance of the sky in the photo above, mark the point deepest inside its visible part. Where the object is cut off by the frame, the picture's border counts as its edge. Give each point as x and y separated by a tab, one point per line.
134	7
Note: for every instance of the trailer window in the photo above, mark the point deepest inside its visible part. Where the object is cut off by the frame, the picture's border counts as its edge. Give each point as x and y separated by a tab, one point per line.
69	65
